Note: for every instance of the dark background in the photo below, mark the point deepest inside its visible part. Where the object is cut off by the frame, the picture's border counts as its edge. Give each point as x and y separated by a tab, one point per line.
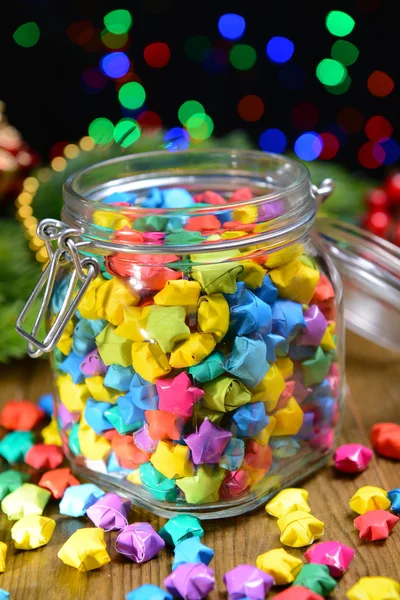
46	100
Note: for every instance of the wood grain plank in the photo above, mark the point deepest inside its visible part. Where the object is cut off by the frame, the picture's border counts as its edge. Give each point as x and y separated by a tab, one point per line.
373	377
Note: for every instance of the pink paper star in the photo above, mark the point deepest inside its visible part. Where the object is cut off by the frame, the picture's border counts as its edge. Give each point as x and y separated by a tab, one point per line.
375	525
208	443
177	395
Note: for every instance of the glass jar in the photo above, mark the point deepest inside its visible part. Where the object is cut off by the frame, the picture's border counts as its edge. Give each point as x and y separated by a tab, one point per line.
195	319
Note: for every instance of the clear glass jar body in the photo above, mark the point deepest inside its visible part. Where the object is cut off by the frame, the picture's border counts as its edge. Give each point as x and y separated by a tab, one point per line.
203	369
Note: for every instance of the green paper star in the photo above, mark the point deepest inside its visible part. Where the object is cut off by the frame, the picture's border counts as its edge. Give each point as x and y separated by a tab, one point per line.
114	349
10	481
200	487
217	277
15	445
316	368
166	326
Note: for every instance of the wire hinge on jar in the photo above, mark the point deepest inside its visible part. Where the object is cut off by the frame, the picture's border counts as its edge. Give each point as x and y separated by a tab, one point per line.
61	246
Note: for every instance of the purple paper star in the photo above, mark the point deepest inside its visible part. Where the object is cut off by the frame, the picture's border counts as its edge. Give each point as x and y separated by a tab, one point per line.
208	443
177	395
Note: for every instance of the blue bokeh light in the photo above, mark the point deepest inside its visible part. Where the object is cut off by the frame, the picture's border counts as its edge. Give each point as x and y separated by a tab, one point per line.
176	139
231	26
392	151
273	140
280	49
115	64
308	146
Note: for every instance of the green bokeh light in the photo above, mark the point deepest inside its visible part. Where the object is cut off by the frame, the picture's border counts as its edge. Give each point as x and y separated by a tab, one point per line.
198	47
27	35
126	132
188	109
243	57
101	131
339	23
342	88
132	95
331	72
118	21
200	126
345	52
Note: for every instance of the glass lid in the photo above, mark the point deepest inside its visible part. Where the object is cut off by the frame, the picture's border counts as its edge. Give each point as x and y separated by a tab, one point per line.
370	271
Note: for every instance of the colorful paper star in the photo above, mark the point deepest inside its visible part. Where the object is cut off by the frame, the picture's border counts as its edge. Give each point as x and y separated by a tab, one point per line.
177	394
375	525
208	443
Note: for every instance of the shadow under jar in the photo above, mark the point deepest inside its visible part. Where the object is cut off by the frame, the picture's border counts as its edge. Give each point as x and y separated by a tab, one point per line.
196	327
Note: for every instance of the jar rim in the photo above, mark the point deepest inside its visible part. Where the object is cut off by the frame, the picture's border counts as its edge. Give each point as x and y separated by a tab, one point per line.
195	169
303	177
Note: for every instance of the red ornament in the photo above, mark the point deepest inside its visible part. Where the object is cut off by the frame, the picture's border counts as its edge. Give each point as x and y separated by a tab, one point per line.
378	222
377	199
44	456
375	525
21	415
385	438
57	481
392	188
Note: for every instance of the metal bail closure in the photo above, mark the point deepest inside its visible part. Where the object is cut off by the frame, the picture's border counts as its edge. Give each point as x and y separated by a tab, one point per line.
51	230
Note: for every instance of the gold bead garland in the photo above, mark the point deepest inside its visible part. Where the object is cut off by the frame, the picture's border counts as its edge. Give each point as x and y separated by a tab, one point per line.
30	186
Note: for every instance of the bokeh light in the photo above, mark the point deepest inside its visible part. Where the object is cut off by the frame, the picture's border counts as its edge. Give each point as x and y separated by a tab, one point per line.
341	88
350	119
292	77
126	132
250	108
243	57
80	32
157	55
231	26
331	72
27	35
371	155
305	115
200	126
132	95
118	21
378	128
330	146
273	140
114	41
101	131
188	109
345	52
392	151
198	47
280	49
339	23
93	80
115	64
150	122
380	84
176	139
308	146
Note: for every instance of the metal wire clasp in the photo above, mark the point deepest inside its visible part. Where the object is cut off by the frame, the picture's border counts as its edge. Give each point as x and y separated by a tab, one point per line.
60	245
323	191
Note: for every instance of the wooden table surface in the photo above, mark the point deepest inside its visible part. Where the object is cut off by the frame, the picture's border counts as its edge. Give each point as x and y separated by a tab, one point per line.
373	377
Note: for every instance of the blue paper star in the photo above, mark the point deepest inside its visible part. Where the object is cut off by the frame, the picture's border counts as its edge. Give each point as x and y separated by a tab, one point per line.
192	551
119	377
71	365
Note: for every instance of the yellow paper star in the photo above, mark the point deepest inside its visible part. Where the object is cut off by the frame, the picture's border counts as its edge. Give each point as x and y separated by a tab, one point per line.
65	341
192	351
375	588
3	554
285	366
281	565
299	529
264	436
72	395
111	298
149	361
114	349
134	324
87	306
253	274
172	460
92	446
327	342
269	389
289	419
85	549
213	315
295	281
288	501
178	293
368	498
51	434
166	326
98	391
32	532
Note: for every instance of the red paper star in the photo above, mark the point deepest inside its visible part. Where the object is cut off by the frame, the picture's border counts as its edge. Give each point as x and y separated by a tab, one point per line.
375	525
177	395
164	425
